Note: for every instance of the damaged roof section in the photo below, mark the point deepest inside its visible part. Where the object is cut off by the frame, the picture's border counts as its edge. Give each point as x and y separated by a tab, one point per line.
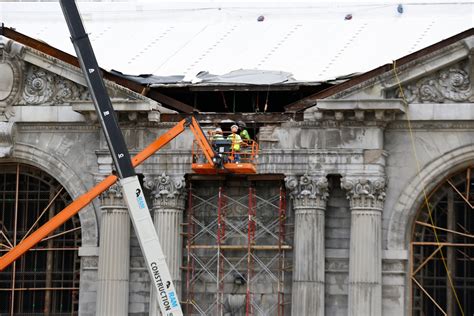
247	76
224	58
236	77
215	94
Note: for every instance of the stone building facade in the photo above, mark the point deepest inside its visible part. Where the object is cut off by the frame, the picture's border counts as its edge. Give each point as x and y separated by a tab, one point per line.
355	173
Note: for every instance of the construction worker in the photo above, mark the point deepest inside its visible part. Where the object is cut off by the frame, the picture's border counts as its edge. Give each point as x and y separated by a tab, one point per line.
236	142
217	135
244	134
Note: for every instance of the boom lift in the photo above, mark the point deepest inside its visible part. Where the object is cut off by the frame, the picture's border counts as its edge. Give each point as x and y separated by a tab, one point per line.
205	160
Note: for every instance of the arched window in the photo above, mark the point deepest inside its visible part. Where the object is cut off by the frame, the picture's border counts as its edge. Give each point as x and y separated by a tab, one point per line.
45	280
443	240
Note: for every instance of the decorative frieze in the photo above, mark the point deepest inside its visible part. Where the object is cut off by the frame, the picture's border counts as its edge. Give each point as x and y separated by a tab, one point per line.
167	191
308	191
364	193
11	73
448	85
444	55
45	88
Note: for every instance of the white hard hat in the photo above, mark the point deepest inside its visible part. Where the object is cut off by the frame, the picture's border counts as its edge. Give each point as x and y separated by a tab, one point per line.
218	130
234	126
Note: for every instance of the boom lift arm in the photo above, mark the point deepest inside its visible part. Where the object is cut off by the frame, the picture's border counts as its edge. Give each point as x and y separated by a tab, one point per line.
131	187
132	190
83	200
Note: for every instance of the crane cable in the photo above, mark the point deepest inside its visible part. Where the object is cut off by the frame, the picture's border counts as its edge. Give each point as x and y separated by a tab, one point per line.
425	195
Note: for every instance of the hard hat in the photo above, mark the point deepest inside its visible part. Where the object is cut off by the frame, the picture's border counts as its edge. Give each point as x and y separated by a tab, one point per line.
218	130
241	124
234	126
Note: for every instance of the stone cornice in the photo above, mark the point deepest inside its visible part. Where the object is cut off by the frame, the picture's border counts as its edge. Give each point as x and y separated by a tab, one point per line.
167	191
308	191
358	110
132	109
365	193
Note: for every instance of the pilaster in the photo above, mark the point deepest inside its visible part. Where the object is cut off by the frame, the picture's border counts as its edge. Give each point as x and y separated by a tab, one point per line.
309	195
7	133
366	197
168	194
114	254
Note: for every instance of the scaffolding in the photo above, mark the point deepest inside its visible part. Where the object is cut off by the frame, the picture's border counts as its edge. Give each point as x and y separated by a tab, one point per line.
443	242
237	239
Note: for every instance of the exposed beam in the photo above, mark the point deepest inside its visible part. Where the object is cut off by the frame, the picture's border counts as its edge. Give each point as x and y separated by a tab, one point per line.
215	118
166	100
244	88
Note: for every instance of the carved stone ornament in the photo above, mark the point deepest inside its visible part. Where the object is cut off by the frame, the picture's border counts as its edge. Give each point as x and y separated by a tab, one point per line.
112	196
167	192
6	138
11	73
451	85
308	191
45	88
365	194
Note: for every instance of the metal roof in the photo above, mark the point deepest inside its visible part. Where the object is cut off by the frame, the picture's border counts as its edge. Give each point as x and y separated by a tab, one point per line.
312	41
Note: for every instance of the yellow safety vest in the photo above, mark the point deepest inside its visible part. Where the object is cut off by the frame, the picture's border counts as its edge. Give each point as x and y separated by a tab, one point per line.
236	140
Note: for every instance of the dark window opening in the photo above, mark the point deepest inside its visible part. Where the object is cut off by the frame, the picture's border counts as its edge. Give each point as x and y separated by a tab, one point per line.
45	280
443	241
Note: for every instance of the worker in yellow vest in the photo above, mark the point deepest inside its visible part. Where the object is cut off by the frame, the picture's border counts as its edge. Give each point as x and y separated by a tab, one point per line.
236	142
244	134
217	134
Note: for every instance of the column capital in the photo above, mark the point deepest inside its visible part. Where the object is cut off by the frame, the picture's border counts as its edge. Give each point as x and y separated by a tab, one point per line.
365	192
112	196
167	191
308	191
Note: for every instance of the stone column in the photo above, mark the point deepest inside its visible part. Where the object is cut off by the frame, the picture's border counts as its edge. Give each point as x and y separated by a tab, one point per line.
309	195
169	198
114	255
366	198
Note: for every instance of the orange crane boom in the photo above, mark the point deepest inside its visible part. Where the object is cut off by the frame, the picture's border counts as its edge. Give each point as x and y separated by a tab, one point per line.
79	203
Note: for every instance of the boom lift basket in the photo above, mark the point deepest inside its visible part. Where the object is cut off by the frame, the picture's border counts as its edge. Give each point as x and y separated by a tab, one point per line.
239	162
